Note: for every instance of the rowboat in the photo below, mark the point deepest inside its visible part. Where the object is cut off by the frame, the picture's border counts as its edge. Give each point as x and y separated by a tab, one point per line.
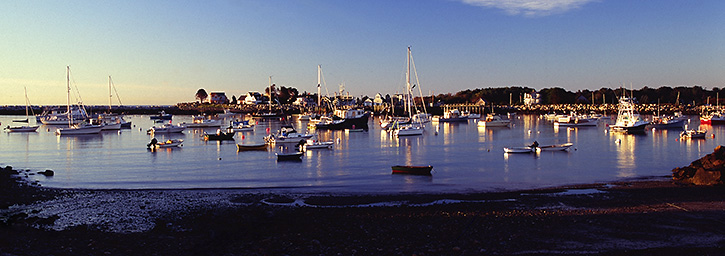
24	128
414	170
518	150
249	147
558	147
693	134
293	156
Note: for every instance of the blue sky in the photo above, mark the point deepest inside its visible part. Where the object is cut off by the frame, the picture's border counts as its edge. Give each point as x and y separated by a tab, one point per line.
161	52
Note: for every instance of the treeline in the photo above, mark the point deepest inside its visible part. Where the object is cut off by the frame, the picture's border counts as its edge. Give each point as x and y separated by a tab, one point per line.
695	95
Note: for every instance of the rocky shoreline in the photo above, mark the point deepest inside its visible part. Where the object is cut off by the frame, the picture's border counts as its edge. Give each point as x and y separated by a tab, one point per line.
642	217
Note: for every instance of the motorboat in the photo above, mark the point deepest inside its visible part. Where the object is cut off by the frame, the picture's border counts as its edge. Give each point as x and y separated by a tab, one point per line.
390	121
79	129
712	118
575	120
693	134
167	143
668	122
518	150
414	170
556	147
166	128
312	144
628	119
250	147
202	122
451	116
494	121
408	130
291	156
288	134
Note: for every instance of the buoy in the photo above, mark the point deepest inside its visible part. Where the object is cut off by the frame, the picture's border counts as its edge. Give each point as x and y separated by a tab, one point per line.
713	135
242	136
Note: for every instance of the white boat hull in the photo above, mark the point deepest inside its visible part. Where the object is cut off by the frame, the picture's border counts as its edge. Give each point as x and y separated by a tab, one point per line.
518	150
91	129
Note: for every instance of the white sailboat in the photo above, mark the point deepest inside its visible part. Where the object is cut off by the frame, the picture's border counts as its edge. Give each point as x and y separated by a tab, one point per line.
79	128
415	128
23	128
111	121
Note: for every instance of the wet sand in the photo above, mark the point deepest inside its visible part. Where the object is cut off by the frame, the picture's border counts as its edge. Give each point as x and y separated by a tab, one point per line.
643	217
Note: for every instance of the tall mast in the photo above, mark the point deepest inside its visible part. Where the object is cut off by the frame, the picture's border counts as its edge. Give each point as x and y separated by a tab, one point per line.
319	74
27	102
270	94
67	78
110	95
407	86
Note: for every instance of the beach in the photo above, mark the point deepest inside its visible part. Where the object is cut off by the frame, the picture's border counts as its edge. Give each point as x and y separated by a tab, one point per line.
652	216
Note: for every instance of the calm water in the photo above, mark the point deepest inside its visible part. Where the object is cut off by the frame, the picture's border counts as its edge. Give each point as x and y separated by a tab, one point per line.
464	158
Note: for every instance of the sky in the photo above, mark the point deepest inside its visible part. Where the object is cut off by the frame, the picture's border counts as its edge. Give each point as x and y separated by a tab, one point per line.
161	52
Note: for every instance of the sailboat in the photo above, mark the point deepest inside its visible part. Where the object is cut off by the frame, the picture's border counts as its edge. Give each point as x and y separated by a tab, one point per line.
23	128
111	121
79	128
415	128
269	113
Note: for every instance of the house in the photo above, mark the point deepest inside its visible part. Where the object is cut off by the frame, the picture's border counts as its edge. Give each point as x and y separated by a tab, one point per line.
378	100
253	98
218	98
532	98
368	103
305	101
481	102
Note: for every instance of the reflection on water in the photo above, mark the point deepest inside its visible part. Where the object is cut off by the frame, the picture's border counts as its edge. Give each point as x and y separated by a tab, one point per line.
465	157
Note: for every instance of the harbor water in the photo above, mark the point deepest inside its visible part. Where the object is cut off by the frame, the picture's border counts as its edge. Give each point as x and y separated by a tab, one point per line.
465	157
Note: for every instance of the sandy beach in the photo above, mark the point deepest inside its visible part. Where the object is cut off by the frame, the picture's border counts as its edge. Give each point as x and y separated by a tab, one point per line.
653	216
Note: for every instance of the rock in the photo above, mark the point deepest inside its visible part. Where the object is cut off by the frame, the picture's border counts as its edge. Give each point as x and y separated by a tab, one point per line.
47	173
707	170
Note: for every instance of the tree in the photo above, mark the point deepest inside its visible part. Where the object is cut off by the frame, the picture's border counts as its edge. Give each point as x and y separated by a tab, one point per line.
234	99
201	95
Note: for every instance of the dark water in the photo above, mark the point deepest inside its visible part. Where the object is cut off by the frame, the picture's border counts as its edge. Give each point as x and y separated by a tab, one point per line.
464	158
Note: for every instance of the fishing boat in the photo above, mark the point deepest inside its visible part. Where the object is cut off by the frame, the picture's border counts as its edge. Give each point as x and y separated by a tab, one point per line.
556	147
161	116
628	119
518	150
287	134
240	126
494	121
23	128
713	118
76	128
166	128
311	144
250	147
410	169
693	134
219	135
292	156
344	119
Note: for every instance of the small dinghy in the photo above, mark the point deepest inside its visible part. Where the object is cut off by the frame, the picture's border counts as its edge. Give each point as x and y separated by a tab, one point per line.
249	147
414	170
292	156
518	150
559	147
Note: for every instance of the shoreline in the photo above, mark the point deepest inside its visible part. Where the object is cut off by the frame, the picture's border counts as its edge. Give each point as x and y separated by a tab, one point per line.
639	217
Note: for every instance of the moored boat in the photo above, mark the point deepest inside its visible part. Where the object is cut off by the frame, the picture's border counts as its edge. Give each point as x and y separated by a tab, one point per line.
410	169
556	147
166	128
219	135
23	128
311	144
693	134
494	121
451	116
287	134
628	119
518	150
169	143
291	156
250	147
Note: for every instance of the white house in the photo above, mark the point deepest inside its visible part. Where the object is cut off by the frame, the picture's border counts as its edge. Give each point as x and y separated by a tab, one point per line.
532	98
253	98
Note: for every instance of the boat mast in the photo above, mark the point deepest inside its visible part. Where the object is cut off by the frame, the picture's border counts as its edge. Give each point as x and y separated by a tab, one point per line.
110	95
270	94
319	102
67	78
407	86
27	102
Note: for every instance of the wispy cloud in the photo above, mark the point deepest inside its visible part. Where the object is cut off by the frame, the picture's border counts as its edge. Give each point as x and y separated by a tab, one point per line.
530	8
